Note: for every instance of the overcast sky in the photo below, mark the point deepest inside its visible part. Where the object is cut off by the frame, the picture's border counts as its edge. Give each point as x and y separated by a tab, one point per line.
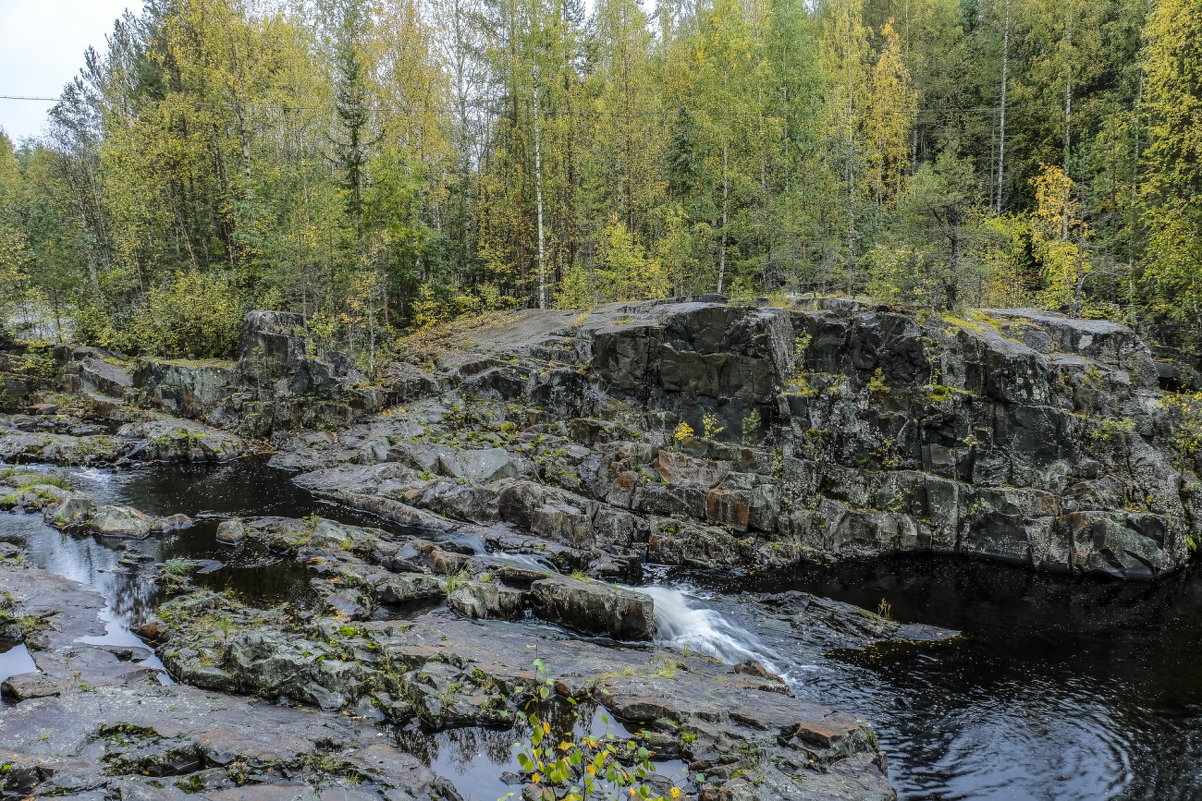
41	48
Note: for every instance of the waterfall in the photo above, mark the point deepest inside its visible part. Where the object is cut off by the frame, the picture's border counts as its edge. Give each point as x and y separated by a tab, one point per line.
704	631
525	560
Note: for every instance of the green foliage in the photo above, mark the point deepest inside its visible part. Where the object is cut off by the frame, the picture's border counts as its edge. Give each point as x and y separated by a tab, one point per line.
750	426
1173	185
877	387
940	393
709	425
179	567
389	166
1110	431
1186	411
192	314
1061	239
560	763
454	579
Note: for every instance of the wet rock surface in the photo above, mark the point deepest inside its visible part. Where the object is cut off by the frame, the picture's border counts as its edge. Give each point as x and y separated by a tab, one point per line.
173	742
94	722
95	719
732	725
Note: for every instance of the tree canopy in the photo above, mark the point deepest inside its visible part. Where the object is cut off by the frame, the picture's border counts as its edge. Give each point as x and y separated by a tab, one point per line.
379	165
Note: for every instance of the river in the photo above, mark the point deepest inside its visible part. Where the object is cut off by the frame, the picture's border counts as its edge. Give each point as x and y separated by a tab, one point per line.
1062	688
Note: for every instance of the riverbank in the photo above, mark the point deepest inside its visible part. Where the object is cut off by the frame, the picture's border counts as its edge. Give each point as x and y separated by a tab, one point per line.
517	492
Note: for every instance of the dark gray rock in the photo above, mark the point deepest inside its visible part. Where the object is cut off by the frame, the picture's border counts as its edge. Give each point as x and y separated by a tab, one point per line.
174	440
487	600
595	607
452	672
836	429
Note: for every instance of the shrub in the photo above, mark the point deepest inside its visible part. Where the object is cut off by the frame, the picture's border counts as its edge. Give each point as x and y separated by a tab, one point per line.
574	767
877	386
751	425
195	314
709	422
683	432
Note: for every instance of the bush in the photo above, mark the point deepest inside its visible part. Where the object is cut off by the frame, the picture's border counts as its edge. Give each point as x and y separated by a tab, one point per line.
560	763
194	314
751	425
197	315
682	432
709	421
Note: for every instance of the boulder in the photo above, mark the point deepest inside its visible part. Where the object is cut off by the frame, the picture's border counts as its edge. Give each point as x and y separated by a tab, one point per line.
487	600
595	608
401	588
120	521
173	440
170	523
74	509
231	532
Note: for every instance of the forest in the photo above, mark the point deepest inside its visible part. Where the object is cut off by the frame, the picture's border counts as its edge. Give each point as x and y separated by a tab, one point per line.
385	166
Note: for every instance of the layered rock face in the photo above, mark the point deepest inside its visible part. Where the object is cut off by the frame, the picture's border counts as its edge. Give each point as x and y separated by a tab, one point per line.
827	429
277	381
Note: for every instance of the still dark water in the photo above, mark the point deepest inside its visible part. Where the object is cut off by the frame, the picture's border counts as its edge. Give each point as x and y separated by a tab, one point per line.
1061	689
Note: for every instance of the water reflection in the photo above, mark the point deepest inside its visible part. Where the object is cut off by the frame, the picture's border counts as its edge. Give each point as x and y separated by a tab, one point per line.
477	760
1064	688
14	659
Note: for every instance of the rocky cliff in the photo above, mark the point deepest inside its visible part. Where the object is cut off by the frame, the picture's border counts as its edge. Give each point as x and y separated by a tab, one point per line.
828	429
277	380
703	433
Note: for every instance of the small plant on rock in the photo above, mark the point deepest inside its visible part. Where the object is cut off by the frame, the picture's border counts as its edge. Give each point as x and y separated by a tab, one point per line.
709	423
567	767
179	567
682	432
455	579
751	425
877	386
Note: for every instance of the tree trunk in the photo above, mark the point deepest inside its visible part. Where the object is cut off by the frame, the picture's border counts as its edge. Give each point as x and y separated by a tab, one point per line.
725	216
538	200
1001	152
1068	91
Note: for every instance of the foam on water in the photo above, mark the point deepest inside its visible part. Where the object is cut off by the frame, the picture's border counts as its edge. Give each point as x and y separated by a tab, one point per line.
682	626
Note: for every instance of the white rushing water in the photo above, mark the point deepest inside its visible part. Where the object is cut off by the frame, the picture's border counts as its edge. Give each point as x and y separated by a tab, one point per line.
681	626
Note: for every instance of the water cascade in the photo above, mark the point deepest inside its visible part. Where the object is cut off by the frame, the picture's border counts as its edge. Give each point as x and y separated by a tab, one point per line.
704	631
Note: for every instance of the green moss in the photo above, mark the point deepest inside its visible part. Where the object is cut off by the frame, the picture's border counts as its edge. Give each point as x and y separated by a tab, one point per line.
179	567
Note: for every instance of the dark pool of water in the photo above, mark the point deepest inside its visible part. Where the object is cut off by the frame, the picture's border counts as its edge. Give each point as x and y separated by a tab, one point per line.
244	487
1062	688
